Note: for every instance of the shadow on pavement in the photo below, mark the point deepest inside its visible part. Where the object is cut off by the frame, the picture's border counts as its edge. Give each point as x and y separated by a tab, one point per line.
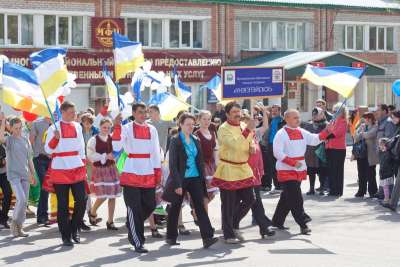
301	251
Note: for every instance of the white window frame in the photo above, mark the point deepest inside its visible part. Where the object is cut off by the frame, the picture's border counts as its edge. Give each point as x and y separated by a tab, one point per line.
19	44
165	22
354	38
274	35
84	31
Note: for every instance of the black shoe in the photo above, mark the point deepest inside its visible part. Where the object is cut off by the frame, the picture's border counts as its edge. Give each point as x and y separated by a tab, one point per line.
265	188
172	242
111	226
388	206
267	232
280	227
310	193
155	233
85	227
319	189
305	230
208	242
67	242
76	237
5	224
141	249
307	218
359	195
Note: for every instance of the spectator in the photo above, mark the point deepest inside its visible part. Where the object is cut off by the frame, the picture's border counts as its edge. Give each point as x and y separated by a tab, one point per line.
320	103
387	170
391	109
367	166
395	152
314	164
219	113
5	188
336	151
161	126
276	123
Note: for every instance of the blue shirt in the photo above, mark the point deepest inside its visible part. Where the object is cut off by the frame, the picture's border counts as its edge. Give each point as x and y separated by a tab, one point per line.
274	128
191	153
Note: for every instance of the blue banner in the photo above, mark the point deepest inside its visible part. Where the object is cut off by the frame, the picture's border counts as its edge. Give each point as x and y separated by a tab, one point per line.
248	82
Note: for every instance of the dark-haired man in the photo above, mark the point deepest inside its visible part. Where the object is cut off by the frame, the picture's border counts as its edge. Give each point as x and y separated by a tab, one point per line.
65	144
233	176
141	173
161	125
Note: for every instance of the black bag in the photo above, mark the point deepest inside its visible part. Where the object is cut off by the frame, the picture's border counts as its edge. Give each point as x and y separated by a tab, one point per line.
360	150
394	147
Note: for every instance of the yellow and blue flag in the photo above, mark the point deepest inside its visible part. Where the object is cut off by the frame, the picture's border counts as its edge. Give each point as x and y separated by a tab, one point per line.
21	90
112	90
50	69
183	92
128	55
340	79
168	104
215	86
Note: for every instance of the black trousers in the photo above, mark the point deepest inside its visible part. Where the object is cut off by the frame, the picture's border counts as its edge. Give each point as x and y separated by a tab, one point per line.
65	225
41	164
235	204
312	175
336	159
291	200
366	177
140	203
269	160
6	201
259	212
195	187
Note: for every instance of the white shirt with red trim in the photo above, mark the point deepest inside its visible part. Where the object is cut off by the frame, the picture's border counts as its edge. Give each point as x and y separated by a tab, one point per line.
143	165
290	146
69	151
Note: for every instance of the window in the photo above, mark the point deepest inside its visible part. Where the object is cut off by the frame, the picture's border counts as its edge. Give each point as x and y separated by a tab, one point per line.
379	92
63	30
259	35
354	37
185	34
16	29
381	38
146	31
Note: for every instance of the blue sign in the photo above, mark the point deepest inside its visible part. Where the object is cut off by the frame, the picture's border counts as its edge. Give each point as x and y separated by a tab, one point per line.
252	82
211	98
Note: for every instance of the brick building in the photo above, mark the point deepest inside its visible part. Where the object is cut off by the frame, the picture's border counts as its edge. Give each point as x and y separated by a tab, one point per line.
200	36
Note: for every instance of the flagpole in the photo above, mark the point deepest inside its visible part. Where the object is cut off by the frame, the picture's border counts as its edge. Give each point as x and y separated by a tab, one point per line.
196	109
48	108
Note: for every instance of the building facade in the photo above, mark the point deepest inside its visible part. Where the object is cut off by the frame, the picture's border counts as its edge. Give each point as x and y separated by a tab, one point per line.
201	36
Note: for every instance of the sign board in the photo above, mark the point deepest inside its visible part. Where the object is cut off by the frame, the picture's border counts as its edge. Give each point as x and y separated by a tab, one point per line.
191	67
102	29
211	98
252	82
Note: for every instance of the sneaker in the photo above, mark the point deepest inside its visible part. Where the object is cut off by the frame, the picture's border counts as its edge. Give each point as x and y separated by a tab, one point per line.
310	193
160	211
305	230
208	242
238	235
182	230
13	229
20	231
275	191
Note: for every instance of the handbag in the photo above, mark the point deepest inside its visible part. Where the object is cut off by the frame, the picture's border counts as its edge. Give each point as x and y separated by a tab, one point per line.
360	149
321	153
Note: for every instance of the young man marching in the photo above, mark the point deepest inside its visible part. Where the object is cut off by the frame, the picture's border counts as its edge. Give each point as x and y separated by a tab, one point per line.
141	173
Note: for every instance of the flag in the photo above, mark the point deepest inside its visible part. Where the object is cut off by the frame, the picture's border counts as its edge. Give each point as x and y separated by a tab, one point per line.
112	91
340	79
355	123
137	84
215	86
50	69
183	92
168	104
128	55
21	90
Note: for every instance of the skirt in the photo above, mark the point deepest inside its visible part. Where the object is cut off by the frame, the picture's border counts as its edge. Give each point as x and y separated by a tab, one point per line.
209	170
105	182
386	181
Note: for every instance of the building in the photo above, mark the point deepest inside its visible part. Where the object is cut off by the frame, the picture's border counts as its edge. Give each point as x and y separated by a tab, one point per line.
200	36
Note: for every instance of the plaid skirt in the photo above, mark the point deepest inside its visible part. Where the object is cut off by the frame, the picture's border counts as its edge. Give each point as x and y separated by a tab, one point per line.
209	170
105	182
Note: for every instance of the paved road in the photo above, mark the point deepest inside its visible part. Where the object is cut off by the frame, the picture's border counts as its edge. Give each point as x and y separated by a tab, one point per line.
346	232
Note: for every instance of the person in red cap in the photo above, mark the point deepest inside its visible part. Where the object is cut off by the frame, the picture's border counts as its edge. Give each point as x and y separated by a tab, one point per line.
65	144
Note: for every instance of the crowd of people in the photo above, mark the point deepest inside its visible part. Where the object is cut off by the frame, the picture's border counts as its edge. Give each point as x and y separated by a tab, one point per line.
160	167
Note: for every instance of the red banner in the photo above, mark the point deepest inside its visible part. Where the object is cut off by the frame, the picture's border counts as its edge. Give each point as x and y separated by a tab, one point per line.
102	29
191	66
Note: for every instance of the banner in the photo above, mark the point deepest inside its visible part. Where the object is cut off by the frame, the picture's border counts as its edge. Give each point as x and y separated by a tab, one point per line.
192	67
252	82
102	29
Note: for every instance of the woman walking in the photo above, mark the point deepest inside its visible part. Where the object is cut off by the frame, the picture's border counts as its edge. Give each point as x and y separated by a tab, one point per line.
105	182
186	165
20	172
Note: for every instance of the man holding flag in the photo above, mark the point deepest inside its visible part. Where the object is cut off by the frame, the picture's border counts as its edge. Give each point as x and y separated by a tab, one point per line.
65	144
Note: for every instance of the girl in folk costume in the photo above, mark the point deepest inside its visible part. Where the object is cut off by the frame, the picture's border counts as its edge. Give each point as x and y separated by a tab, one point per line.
104	182
290	144
64	142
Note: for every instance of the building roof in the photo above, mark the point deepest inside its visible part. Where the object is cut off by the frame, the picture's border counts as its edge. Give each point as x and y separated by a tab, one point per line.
383	5
295	62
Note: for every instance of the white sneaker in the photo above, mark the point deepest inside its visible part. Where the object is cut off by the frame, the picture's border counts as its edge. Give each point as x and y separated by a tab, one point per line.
232	241
13	229
239	235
